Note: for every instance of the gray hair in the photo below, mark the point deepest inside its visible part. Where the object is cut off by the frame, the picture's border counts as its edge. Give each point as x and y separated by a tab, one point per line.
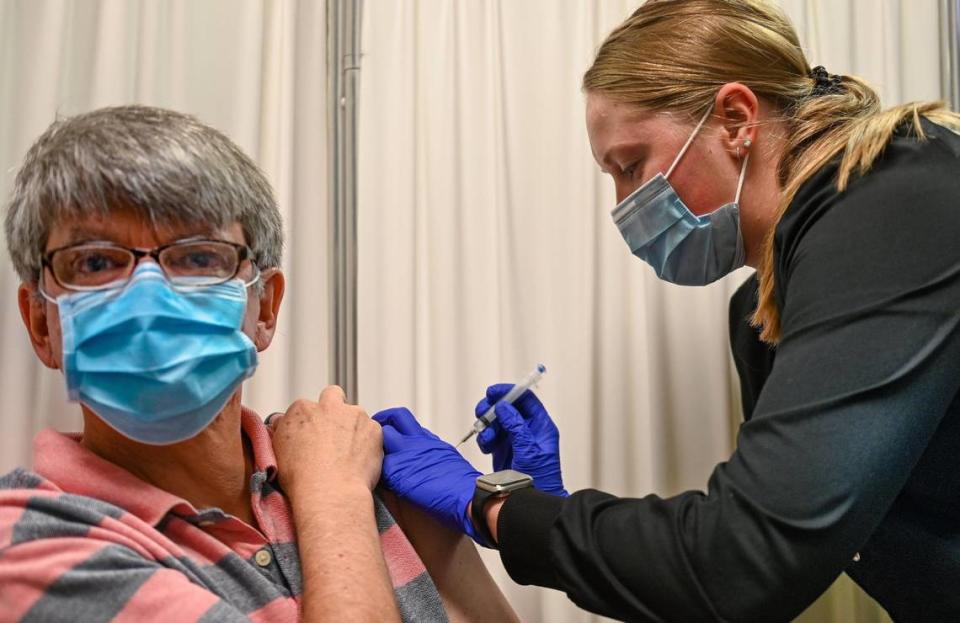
164	165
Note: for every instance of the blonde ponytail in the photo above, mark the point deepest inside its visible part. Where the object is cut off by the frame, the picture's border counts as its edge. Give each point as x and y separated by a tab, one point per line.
674	55
835	129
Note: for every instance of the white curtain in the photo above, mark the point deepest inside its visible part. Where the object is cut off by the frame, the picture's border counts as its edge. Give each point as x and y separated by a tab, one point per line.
256	70
485	239
486	244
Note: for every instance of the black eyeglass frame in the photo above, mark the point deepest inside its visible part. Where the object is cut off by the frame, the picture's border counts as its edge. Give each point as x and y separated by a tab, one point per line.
244	252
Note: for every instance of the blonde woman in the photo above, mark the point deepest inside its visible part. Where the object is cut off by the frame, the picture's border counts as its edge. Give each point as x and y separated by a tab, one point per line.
728	149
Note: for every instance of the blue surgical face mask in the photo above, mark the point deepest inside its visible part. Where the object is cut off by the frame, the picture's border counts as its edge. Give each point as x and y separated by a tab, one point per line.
682	248
155	363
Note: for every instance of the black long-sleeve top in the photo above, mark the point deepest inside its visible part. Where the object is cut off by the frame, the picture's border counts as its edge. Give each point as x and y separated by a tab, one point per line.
850	458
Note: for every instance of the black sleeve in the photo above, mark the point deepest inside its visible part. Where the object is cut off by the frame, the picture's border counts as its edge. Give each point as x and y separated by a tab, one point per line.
868	364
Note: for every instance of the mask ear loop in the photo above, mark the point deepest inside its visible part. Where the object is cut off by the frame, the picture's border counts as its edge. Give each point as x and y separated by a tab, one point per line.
736	200
686	145
43	291
255	278
743	176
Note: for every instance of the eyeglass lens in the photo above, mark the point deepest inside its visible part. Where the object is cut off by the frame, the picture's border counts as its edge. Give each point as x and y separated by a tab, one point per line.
189	263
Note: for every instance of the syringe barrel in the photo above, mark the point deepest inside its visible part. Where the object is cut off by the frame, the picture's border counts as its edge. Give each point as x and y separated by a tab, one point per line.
515	392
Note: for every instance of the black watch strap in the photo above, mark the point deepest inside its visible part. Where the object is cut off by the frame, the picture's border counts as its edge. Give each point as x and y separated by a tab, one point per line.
480	499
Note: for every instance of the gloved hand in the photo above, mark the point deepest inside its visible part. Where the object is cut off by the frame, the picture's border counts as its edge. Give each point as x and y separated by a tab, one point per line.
422	468
524	438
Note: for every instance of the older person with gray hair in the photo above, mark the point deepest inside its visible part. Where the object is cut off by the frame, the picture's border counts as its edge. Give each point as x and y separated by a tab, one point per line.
149	248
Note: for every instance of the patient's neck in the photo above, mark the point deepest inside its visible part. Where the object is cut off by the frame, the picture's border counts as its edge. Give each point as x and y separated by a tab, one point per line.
210	470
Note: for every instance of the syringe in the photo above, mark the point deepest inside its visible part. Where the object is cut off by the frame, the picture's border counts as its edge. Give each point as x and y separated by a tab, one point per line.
484	420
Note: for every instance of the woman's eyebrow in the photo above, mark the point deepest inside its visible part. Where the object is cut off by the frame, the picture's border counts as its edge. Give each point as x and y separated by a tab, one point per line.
632	147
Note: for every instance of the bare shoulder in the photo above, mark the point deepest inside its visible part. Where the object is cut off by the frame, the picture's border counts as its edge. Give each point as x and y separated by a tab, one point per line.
467	589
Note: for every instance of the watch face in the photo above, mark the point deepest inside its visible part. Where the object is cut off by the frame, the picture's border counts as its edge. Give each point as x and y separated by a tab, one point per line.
506	480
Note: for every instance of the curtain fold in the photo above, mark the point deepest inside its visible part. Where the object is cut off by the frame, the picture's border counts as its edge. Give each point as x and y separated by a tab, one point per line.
485	239
486	244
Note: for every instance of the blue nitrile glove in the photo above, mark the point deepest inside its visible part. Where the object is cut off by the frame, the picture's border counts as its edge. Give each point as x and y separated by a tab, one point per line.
422	468
524	438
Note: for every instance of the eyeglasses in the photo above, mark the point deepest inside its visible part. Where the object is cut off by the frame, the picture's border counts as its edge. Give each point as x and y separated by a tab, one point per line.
190	263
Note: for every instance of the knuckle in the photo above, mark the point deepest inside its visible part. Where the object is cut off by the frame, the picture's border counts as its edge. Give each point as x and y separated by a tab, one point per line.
333	392
300	405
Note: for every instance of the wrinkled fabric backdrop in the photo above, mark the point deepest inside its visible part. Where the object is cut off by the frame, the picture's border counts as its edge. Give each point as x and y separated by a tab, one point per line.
485	242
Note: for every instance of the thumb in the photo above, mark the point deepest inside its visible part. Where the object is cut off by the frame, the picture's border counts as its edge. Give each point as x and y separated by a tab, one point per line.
498	391
393	440
333	394
273	419
400	418
488	437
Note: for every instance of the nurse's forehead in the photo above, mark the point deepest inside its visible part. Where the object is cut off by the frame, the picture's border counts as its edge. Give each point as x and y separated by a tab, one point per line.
604	113
614	127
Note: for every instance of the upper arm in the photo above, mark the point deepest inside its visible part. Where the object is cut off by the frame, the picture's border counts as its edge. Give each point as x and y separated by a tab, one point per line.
85	579
466	588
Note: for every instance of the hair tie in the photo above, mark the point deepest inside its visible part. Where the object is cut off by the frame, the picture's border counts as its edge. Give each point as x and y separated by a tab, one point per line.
825	83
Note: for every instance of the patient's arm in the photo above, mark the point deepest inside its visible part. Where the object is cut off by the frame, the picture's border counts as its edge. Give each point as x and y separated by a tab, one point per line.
468	591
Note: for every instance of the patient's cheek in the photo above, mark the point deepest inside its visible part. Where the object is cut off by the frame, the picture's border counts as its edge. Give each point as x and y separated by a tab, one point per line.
250	317
249	327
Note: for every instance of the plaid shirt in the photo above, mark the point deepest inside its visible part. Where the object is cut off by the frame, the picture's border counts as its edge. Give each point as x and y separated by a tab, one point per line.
84	540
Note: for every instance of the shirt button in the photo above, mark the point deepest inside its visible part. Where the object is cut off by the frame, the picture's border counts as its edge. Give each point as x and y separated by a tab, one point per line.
856	557
263	558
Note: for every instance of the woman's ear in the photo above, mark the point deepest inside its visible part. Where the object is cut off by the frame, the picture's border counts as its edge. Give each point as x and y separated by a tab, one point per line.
274	284
33	311
738	109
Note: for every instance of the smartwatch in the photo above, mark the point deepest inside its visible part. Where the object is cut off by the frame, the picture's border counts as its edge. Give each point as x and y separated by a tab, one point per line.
496	485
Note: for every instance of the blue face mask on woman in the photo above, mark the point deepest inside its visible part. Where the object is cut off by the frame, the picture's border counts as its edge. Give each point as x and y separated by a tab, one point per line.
682	248
155	363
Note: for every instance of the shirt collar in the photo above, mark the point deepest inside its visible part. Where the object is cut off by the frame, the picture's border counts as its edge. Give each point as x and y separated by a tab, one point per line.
61	459
261	442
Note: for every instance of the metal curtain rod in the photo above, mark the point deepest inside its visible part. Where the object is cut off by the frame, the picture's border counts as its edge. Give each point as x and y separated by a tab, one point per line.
950	52
344	20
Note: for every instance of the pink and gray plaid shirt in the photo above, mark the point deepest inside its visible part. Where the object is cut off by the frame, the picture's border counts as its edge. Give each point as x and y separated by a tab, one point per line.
83	540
